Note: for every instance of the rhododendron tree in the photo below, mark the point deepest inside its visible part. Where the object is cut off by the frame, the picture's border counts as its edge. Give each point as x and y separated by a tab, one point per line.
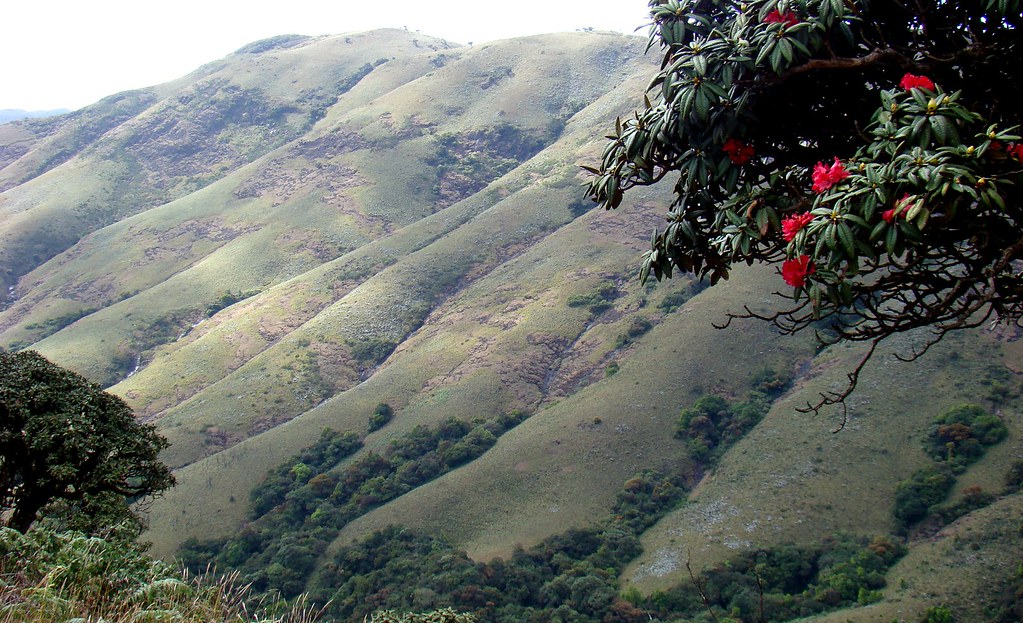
868	149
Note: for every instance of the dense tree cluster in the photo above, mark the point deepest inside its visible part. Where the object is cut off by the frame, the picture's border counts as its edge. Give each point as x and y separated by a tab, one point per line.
869	149
572	578
303	503
962	434
957	438
782	583
568	577
331	448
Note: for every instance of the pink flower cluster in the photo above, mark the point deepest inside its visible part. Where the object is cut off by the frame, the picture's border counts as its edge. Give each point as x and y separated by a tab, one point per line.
824	177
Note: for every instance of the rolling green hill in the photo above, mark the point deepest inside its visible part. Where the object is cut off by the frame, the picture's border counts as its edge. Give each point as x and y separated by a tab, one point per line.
308	228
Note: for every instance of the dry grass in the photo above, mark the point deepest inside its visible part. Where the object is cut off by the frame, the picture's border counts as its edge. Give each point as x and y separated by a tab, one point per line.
48	577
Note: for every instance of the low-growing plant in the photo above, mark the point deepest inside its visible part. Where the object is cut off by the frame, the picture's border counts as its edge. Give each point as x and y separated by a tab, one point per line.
441	615
937	614
1014	477
597	301
48	576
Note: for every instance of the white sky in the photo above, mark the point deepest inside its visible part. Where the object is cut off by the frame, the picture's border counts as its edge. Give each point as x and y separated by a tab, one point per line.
70	53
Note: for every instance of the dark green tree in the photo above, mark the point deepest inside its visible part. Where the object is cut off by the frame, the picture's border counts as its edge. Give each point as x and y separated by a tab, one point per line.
71	449
868	148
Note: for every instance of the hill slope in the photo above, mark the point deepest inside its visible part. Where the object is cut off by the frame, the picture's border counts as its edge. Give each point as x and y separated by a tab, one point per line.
311	227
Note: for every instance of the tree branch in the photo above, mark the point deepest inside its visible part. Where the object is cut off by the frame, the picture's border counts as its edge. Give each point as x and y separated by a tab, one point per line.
877	56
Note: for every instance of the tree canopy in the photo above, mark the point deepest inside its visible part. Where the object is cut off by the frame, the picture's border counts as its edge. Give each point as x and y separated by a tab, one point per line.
868	148
70	448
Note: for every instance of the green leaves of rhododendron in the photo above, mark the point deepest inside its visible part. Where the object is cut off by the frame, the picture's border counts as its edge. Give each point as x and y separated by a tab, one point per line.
887	155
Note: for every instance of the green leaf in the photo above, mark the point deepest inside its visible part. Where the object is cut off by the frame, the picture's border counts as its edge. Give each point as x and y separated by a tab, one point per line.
702	104
700	65
845	236
890	240
878	230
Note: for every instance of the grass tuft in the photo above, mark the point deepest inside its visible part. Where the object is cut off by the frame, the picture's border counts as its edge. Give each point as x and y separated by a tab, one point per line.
48	576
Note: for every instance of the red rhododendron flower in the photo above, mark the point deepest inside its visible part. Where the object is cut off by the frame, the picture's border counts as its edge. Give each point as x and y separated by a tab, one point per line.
796	270
1015	150
791	225
902	207
738	152
788	18
909	81
826	177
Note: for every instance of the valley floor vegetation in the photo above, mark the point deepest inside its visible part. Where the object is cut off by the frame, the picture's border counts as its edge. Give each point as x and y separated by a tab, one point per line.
573	577
279	567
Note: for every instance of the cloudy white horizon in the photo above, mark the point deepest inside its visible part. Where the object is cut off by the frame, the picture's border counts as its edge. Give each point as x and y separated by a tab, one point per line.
68	54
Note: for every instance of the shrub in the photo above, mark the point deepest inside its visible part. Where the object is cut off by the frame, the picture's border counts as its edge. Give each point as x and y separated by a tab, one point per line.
1014	477
372	351
973	498
68	576
713	424
915	496
442	615
961	435
381	416
937	614
597	301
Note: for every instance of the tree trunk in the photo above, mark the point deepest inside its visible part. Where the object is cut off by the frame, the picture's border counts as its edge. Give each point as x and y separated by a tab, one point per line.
24	514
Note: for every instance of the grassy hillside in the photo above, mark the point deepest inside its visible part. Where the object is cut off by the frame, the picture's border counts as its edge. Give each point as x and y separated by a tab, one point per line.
294	234
138	150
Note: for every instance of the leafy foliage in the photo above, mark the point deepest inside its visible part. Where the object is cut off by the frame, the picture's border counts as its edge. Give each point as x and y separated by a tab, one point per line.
68	576
382	414
304	502
713	424
573	576
1014	477
598	300
226	300
568	577
906	218
937	614
957	438
71	450
326	453
782	583
961	435
52	325
915	496
442	615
